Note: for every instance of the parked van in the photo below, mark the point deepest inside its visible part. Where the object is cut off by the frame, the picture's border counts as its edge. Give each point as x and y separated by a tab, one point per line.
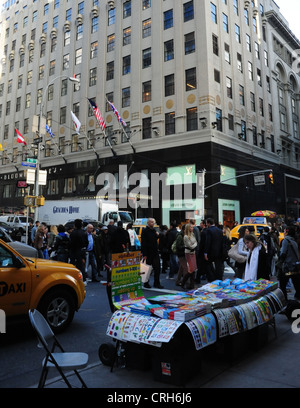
16	221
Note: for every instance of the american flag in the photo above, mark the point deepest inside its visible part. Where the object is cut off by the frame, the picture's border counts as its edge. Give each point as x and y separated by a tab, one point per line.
97	113
117	114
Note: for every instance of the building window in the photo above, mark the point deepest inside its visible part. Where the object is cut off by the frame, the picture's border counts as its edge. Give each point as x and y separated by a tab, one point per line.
248	42
78	56
189	43
190	79
146	95
225	23
254	135
217	76
237	33
239	62
250	70
93	76
243	130
63	115
52	67
111	16
127	36
229	87
110	70
64	87
191	119
213	13
219	119
94	27
169	85
126	65
146	58
169	50
252	101
111	42
125	97
261	107
94	50
227	53
66	61
188	11
168	19
79	32
146	129
242	95
170	123
146	4
230	122
146	28
127	9
215	44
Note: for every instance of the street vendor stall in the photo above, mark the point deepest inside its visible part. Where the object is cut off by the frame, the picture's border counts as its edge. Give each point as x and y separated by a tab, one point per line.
169	331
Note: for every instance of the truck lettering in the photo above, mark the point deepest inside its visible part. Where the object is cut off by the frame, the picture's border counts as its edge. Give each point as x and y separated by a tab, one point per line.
66	210
6	289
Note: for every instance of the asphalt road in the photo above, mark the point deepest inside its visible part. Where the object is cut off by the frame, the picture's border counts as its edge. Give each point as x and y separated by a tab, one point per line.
21	359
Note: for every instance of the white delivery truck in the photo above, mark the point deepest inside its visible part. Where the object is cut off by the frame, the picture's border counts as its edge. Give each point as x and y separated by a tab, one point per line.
56	212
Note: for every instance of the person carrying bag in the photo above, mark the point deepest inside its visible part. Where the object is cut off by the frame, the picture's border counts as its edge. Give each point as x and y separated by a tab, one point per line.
289	256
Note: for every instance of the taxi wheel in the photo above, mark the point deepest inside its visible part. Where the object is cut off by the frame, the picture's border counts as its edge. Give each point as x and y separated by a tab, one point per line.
58	309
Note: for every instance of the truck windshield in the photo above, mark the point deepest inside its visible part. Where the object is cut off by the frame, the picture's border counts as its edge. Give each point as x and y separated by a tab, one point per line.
125	216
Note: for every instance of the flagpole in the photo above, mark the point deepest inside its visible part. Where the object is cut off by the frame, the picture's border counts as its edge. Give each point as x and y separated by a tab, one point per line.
120	120
103	130
127	137
89	140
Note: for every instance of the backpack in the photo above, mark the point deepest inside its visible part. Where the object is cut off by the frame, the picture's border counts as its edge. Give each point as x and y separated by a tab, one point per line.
174	247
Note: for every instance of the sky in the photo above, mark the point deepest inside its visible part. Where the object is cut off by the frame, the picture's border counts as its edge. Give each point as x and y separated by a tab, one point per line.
290	9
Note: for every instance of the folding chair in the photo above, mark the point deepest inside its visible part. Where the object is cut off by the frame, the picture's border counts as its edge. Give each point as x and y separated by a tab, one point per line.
59	360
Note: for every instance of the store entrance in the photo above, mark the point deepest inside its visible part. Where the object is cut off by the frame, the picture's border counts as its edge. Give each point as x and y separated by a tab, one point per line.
228	218
178	216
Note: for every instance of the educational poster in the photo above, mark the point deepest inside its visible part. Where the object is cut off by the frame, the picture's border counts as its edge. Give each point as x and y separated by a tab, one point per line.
203	330
125	277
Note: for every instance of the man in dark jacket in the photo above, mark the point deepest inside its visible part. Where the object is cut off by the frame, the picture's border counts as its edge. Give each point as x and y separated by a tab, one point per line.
78	244
213	251
149	249
120	239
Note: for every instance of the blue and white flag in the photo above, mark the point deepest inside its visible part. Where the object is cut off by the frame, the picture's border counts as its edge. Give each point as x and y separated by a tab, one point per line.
49	130
117	114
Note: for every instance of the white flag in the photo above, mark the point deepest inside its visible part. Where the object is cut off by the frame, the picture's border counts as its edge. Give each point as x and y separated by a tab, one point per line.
76	122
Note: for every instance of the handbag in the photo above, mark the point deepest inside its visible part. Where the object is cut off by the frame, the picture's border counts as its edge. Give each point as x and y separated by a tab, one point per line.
145	271
233	254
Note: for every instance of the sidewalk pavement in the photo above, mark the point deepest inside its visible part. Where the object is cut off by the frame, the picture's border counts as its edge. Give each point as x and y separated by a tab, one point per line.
275	365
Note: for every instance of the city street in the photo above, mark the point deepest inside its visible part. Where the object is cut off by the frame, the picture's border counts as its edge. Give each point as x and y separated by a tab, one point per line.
21	359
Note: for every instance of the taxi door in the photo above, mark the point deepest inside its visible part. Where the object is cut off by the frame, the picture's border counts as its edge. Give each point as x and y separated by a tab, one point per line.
15	284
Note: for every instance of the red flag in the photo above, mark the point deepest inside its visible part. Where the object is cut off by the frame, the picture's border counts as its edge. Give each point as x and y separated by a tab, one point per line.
20	138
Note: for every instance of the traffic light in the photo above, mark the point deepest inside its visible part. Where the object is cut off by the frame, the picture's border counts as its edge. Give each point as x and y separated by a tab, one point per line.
271	178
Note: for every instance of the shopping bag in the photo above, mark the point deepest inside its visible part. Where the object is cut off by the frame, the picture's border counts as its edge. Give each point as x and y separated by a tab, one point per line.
233	254
145	271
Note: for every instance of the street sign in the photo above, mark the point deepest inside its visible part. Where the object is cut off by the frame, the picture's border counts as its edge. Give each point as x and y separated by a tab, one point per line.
259	180
30	160
26	164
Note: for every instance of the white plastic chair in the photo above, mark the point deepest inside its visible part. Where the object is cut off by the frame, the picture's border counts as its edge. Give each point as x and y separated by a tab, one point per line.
61	360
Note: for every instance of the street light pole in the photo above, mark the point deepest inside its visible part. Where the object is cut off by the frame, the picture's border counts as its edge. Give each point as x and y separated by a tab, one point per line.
37	169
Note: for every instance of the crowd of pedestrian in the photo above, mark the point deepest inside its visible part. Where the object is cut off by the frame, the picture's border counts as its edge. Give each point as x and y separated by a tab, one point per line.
188	253
86	248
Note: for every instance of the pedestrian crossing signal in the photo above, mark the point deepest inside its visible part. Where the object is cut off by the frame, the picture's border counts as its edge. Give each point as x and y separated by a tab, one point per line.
271	178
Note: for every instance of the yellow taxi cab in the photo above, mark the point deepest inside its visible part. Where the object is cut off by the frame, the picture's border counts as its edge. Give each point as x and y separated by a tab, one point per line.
256	229
141	223
55	288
